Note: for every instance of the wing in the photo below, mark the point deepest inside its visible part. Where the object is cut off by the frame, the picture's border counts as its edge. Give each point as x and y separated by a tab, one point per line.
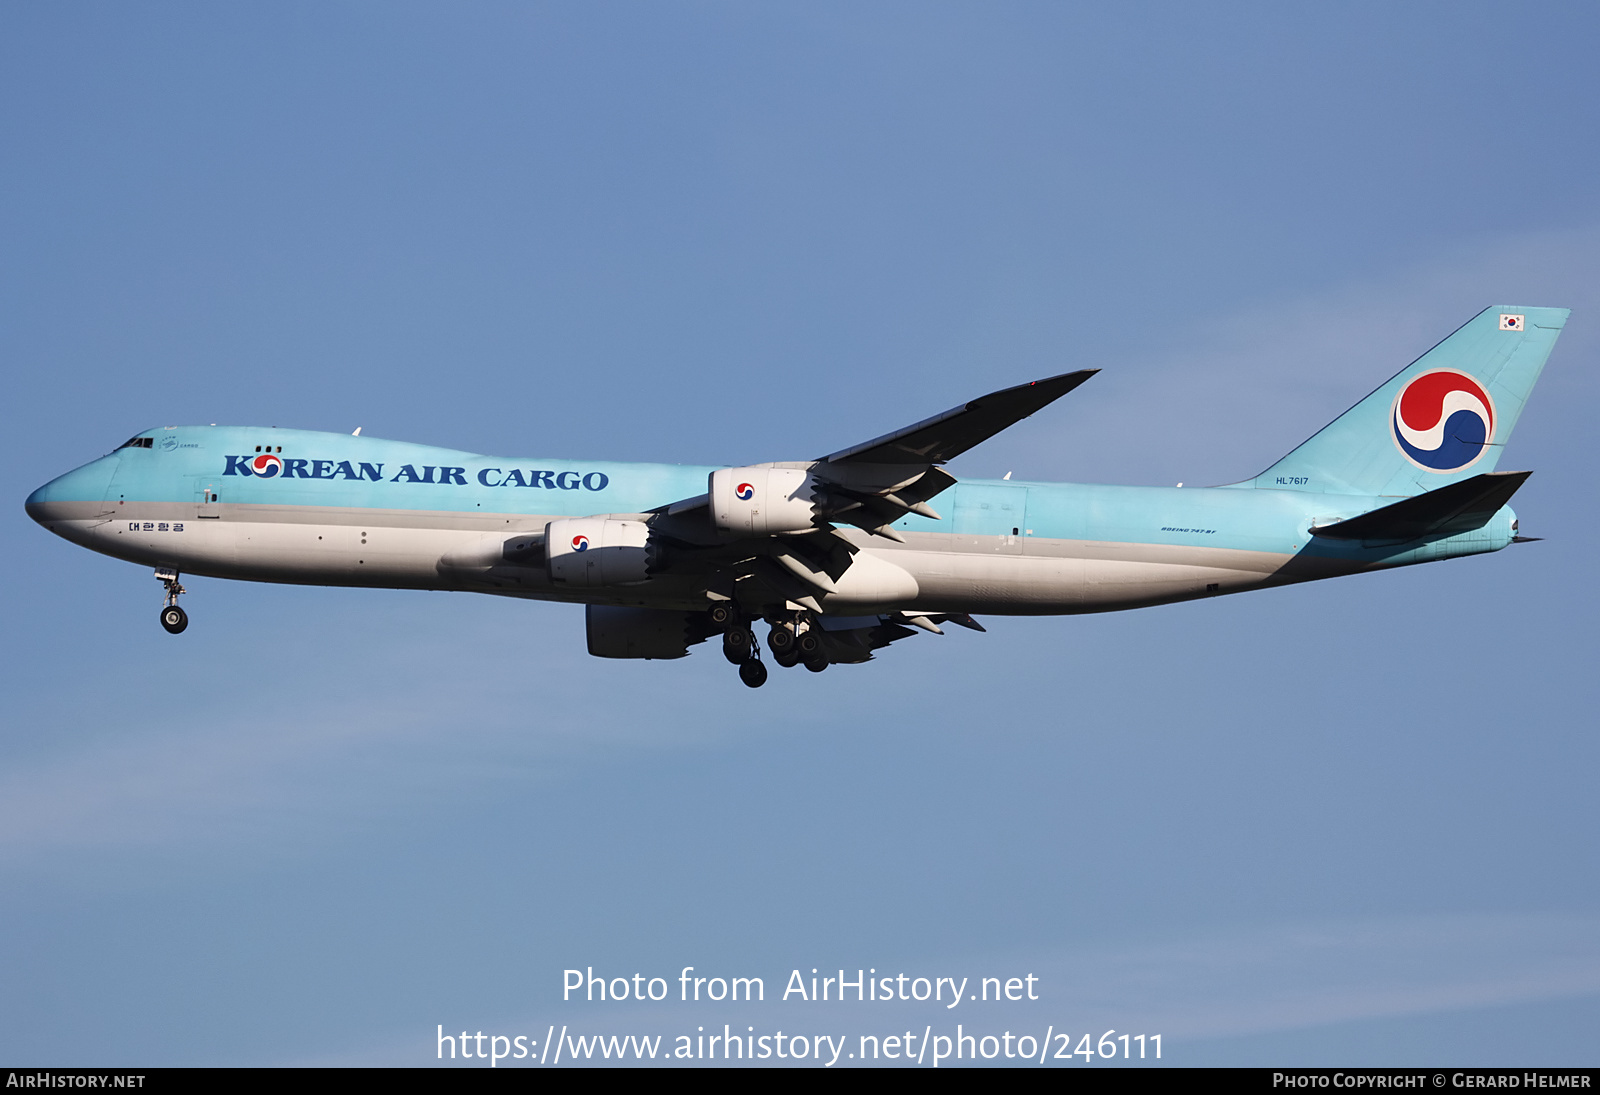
764	540
946	436
876	483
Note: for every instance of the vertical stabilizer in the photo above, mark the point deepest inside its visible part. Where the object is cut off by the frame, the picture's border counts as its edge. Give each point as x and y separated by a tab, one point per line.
1441	419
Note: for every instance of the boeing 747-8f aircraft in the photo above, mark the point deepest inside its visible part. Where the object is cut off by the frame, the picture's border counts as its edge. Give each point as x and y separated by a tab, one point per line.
840	555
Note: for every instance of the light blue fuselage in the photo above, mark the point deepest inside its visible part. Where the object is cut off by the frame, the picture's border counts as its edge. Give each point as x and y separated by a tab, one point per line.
358	511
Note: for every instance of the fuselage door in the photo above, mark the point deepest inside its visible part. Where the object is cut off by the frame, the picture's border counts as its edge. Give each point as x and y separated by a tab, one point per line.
206	499
111	507
989	517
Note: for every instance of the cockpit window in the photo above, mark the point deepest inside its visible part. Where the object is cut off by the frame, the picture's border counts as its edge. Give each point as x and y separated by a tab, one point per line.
137	443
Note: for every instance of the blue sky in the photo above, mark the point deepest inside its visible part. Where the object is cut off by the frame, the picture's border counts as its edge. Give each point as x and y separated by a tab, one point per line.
1351	822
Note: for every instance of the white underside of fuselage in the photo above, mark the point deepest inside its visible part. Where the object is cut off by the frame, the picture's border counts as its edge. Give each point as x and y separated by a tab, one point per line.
931	572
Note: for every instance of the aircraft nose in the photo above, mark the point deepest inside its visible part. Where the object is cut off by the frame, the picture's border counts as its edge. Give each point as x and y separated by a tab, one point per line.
79	493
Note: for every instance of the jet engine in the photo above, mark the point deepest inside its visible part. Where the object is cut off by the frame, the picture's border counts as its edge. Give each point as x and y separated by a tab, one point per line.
618	631
763	501
584	552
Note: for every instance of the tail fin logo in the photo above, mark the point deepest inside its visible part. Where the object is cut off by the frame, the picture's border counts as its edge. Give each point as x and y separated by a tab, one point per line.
1443	420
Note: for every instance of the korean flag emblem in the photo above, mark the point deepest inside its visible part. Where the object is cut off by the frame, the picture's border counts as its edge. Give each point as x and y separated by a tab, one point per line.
1511	323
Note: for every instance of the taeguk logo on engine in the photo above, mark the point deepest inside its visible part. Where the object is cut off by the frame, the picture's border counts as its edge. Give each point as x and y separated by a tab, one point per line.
266	466
580	543
1443	420
744	492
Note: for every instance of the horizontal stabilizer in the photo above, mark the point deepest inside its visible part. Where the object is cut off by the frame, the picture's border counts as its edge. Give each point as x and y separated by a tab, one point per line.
1459	507
948	435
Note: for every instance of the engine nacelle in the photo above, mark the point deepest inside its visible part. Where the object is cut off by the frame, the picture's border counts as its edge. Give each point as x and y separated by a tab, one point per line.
617	631
584	552
763	501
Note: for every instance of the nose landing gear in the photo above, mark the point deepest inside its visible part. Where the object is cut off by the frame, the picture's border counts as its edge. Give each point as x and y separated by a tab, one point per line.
173	618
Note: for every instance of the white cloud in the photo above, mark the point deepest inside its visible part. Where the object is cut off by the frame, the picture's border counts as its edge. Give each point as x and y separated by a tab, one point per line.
1308	975
1225	401
1229	397
438	697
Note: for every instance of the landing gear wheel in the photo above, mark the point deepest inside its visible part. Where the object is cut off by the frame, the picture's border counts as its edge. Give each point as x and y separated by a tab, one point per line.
788	659
721	614
780	641
817	665
173	618
736	644
753	673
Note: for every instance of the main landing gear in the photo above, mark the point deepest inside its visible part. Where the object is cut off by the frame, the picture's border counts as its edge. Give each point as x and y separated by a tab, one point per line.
739	646
173	618
794	640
